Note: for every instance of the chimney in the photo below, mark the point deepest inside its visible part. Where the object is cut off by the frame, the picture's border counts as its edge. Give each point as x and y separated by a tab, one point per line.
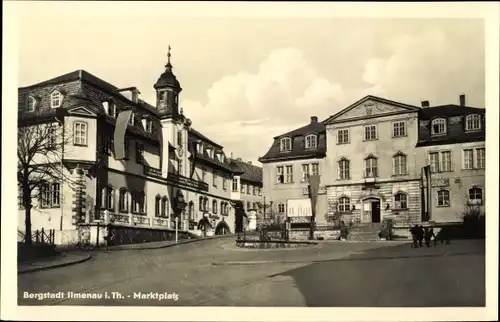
249	162
314	119
425	104
462	99
132	93
238	159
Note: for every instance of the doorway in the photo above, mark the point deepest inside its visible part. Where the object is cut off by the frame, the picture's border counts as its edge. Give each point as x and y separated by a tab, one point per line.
375	207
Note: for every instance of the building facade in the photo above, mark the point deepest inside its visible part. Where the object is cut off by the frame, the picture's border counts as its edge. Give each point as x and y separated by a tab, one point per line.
124	161
371	163
287	165
451	140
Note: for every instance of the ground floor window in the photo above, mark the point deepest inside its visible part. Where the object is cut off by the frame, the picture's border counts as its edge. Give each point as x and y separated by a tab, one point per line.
443	198
50	194
344	204
476	196
401	201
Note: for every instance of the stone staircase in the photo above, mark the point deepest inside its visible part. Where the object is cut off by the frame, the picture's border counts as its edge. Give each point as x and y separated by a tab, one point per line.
365	232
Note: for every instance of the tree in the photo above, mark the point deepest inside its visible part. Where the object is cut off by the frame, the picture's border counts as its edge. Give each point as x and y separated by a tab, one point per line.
39	163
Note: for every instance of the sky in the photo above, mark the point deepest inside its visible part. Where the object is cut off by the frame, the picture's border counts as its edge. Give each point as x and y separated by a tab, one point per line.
246	80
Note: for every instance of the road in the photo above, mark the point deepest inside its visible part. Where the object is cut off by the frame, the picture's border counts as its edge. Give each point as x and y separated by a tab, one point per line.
329	274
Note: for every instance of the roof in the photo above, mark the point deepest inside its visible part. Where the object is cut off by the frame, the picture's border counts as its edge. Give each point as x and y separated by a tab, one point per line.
449	110
314	127
202	137
250	172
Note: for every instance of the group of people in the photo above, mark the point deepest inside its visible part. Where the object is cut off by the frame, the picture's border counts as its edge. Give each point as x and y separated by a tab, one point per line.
420	234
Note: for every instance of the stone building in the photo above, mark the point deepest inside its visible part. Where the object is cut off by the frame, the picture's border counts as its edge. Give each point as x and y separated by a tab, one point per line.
371	170
138	165
451	139
287	165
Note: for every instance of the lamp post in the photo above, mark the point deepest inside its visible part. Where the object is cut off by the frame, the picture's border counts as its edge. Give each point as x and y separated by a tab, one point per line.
180	206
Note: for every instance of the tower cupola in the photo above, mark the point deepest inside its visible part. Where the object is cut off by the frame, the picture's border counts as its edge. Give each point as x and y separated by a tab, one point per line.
167	89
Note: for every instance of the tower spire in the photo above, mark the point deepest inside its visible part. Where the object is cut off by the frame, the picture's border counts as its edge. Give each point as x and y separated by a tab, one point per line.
168	65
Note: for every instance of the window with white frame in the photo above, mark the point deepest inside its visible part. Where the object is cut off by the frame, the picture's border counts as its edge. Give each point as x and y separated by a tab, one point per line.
55	194
371	167
260	191
476	196
215	178
243	188
280	177
438	126
281	208
123	200
399	164
80	133
440	161
311	141
149	126
164	207
434	161
50	194
342	136
481	158
55	99
344	204
443	198
109	198
344	169
473	122
254	192
286	144
157	206
200	204
445	161
288	174
235	184
224	183
51	137
370	132
249	205
214	206
399	129
400	200
468	155
305	172
30	104
249	188
112	109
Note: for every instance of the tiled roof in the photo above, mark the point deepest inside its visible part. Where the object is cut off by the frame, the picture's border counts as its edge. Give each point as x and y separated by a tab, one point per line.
298	144
193	137
449	110
469	137
250	172
197	135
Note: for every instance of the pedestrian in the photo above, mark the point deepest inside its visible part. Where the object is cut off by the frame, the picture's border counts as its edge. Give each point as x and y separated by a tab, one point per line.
427	236
413	231
420	235
433	236
109	236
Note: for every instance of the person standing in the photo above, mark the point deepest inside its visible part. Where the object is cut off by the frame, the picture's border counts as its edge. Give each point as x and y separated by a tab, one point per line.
109	236
420	235
414	236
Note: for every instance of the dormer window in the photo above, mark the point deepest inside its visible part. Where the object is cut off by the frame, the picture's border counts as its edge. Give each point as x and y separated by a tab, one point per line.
311	141
30	104
200	148
112	109
438	126
149	126
473	122
286	144
131	120
55	99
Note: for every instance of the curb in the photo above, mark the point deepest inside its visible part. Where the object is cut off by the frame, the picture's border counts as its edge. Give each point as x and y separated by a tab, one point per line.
37	269
345	259
110	249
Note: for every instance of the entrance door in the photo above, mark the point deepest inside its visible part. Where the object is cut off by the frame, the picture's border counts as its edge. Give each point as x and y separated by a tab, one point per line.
375	211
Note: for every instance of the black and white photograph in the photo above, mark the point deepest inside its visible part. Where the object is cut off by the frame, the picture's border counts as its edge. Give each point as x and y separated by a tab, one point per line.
250	161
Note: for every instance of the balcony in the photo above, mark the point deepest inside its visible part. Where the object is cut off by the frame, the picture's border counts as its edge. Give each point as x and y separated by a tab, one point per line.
183	181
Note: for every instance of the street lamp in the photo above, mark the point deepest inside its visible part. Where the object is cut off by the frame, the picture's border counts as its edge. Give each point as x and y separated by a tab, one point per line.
180	206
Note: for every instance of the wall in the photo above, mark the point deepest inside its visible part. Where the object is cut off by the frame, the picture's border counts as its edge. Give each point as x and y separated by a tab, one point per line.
76	152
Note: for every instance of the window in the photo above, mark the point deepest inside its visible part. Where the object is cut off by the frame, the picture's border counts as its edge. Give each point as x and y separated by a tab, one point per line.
281	208
214	206
288	174
191	210
108	198
481	158
371	169
343	136
370	132
473	122
131	120
443	197
45	195
205	204
30	104
203	174
135	201
344	204
157	206
224	183
344	171
260	191
179	167
305	172
235	185
55	194
126	149
49	194
468	159
112	109
149	126
162	96
55	99
434	161
243	188
476	196
253	191
249	189
401	201
399	129
214	179
51	137
440	161
164	206
80	133
315	169
399	164
138	202
311	141
201	204
108	143
445	161
438	127
139	153
179	138
123	200
286	144
249	206
280	178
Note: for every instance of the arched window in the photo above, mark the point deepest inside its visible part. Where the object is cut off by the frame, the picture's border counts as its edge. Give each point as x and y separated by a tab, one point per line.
344	169
30	104
103	197
281	208
201	203
399	164
205	204
135	201
158	206
191	210
443	198
55	99
123	200
400	200
222	203
473	122
344	204
371	167
110	198
214	206
438	126
286	144
311	141
476	196
164	206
